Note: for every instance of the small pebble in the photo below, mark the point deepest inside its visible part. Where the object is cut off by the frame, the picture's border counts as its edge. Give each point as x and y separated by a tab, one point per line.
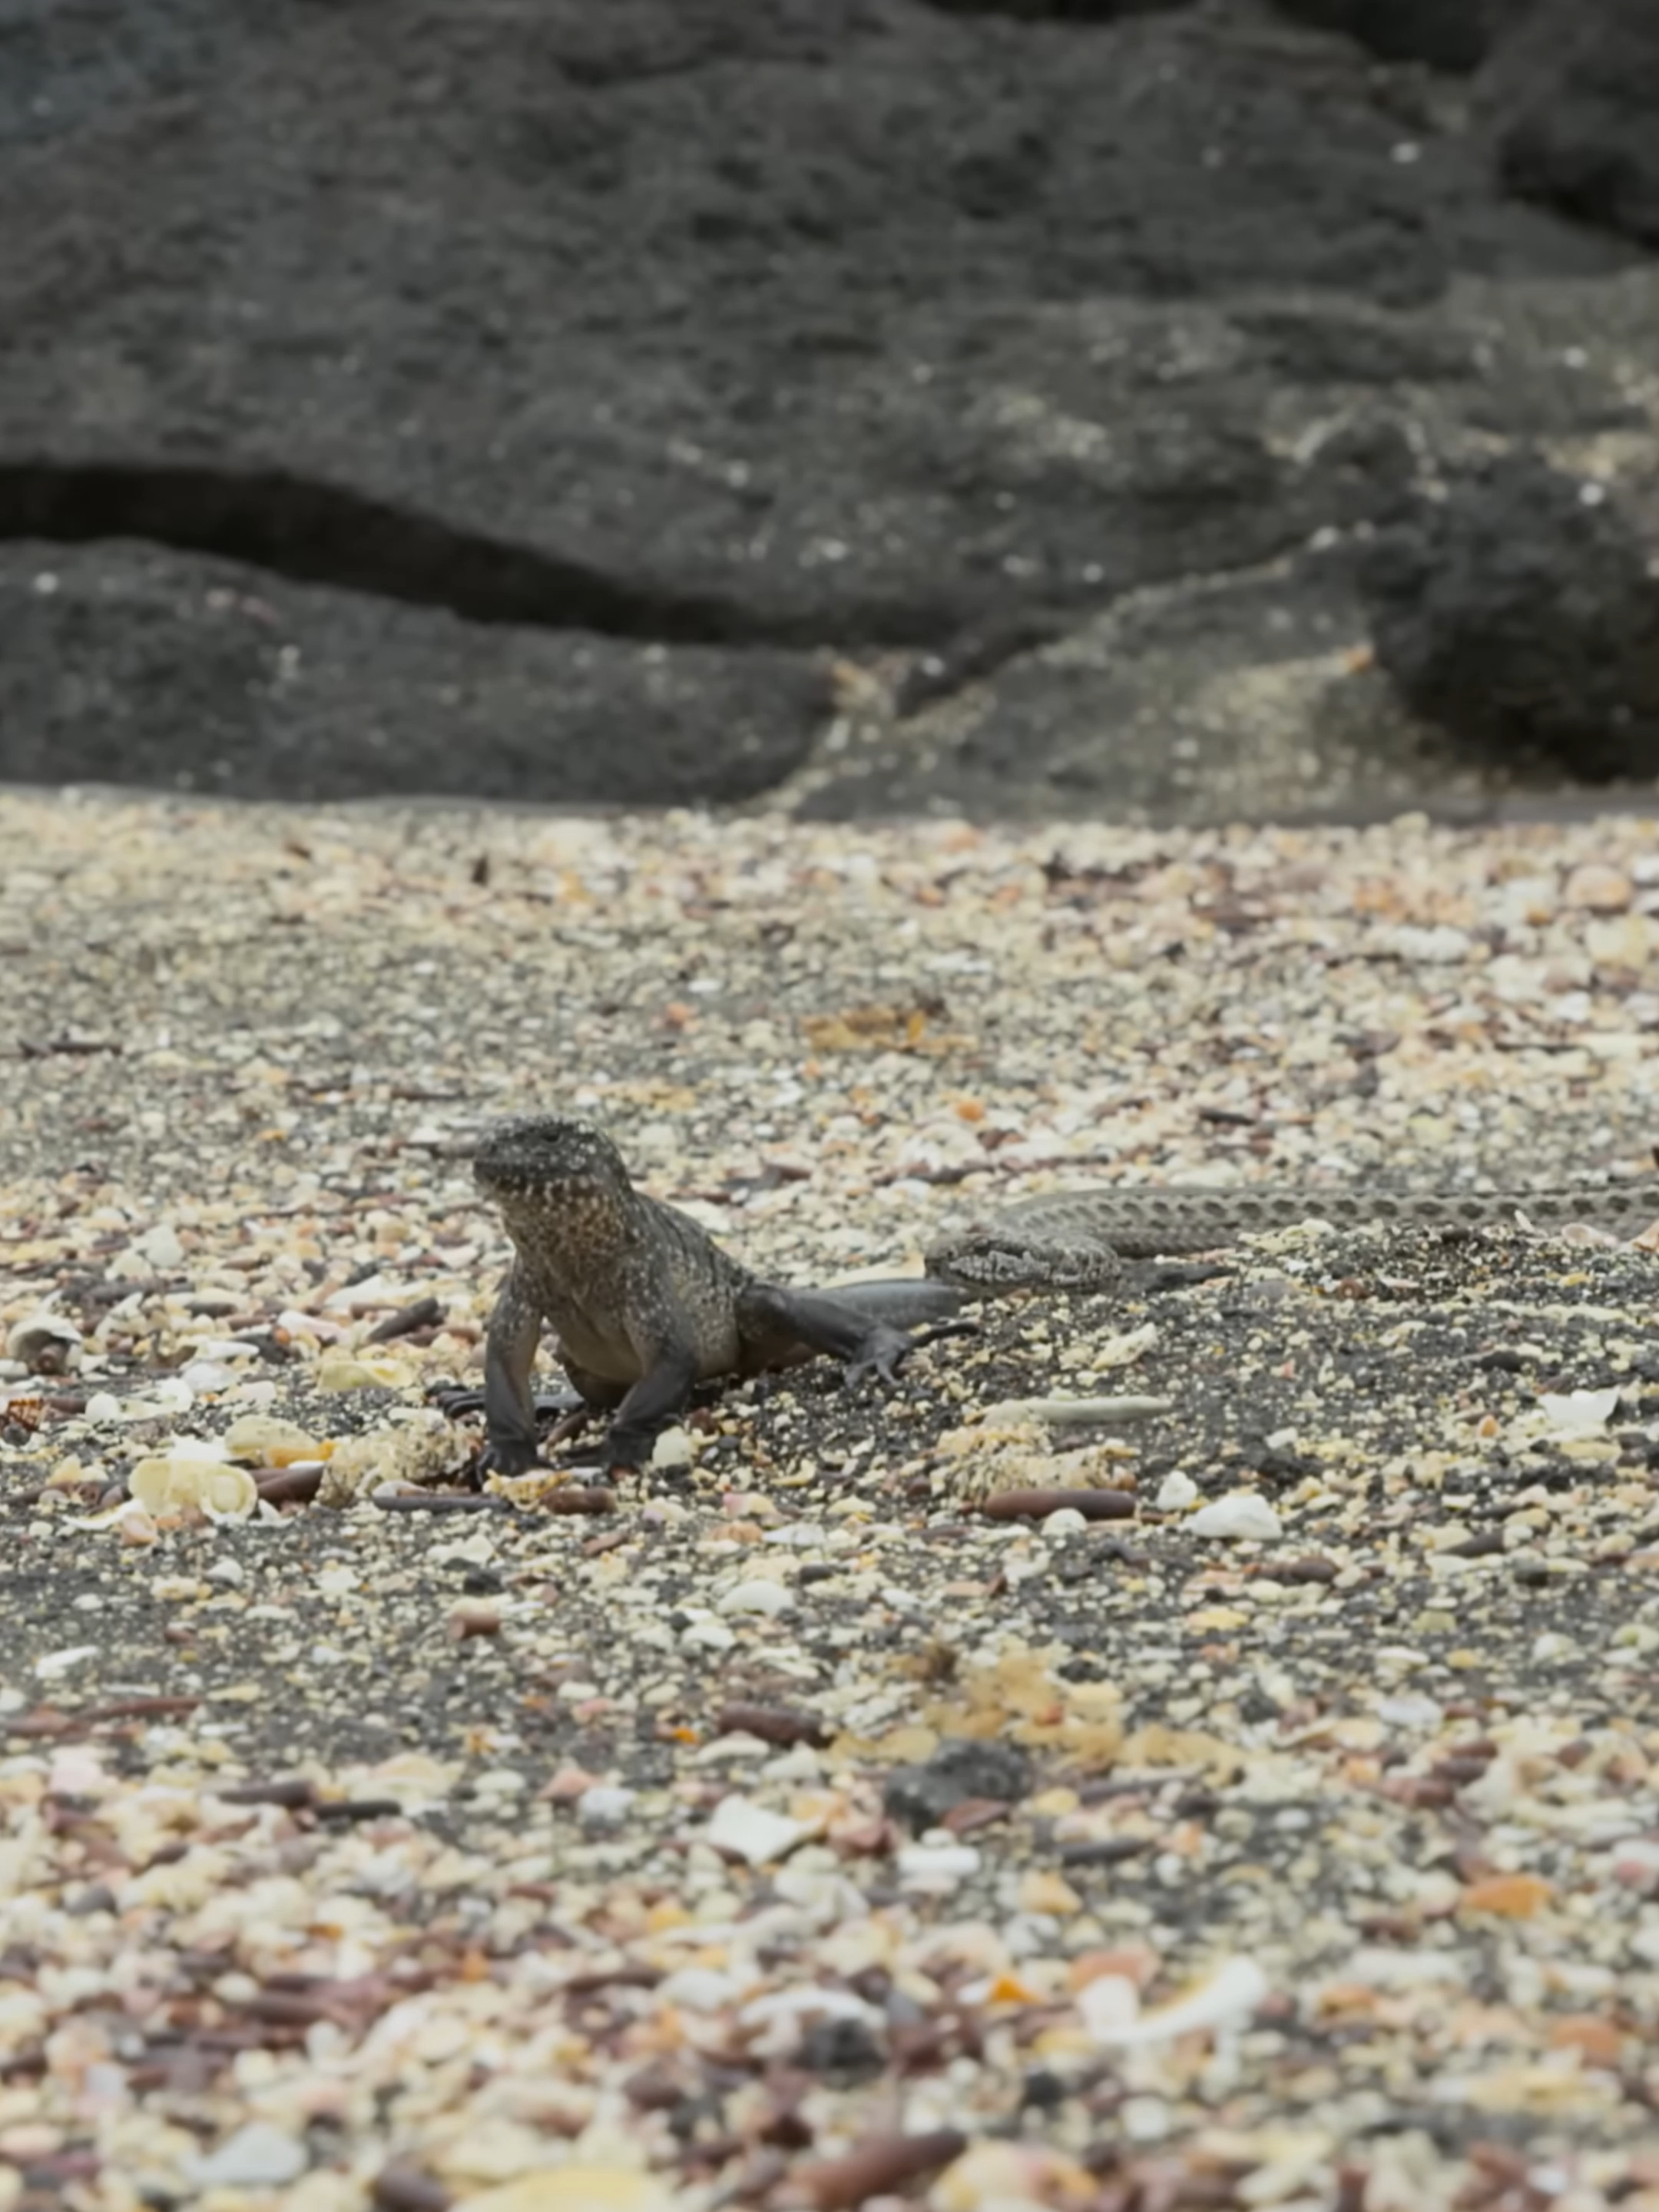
699	1988
1231	1993
466	1621
606	1805
1075	1412
159	1249
339	1372
751	1833
708	1636
1241	1513
671	1449
223	1492
1038	1504
207	1376
44	1342
938	1868
1603	889
759	1597
258	2156
876	2168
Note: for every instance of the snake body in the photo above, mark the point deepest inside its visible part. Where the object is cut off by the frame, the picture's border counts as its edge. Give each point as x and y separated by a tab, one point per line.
1080	1240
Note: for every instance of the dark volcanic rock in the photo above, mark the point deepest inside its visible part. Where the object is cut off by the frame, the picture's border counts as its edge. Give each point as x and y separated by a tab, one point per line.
1574	98
1206	701
1521	612
115	656
1058	12
962	1767
1447	34
1255	690
748	330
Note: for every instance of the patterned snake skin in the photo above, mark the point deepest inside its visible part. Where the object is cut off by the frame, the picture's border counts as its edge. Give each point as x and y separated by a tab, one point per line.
1079	1240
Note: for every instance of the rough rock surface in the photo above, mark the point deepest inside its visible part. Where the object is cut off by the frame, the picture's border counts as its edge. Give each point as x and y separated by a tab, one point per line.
114	654
1576	92
623	372
1447	34
1520	609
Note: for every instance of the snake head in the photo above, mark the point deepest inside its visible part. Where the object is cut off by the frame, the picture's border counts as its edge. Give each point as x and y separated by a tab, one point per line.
994	1263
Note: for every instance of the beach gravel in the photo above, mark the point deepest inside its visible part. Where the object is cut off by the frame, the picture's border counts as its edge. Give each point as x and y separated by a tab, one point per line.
1241	1790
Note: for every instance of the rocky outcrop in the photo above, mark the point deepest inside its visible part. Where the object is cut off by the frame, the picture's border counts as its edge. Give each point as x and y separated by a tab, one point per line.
1445	35
123	664
634	402
1573	102
1521	609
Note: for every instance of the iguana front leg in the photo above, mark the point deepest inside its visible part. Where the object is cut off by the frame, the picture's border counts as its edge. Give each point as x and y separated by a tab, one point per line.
659	1397
515	1331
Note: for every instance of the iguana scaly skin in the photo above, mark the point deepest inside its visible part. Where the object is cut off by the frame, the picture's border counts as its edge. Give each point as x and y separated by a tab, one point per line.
643	1302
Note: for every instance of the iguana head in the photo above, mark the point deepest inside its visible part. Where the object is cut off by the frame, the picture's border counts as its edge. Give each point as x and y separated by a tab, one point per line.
543	1156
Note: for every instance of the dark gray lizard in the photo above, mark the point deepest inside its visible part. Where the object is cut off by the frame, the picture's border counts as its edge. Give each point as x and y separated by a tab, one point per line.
645	1305
642	1301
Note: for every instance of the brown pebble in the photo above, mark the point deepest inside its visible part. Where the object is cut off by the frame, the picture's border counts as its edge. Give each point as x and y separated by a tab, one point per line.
470	1620
1486	1545
615	1978
425	1313
284	2009
1424	1793
1499	2163
288	1790
1352	2187
1037	1504
1105	1850
44	1721
1458	1771
58	2172
593	1499
612	1541
1390	1928
656	2087
289	1485
1196	1804
879	2164
787	2128
771	1723
1602	889
1312	1569
976	1812
141	1709
922	2047
439	1501
357	1809
406	2189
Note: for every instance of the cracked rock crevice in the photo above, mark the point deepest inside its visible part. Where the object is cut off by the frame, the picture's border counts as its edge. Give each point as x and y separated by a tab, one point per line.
314	532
